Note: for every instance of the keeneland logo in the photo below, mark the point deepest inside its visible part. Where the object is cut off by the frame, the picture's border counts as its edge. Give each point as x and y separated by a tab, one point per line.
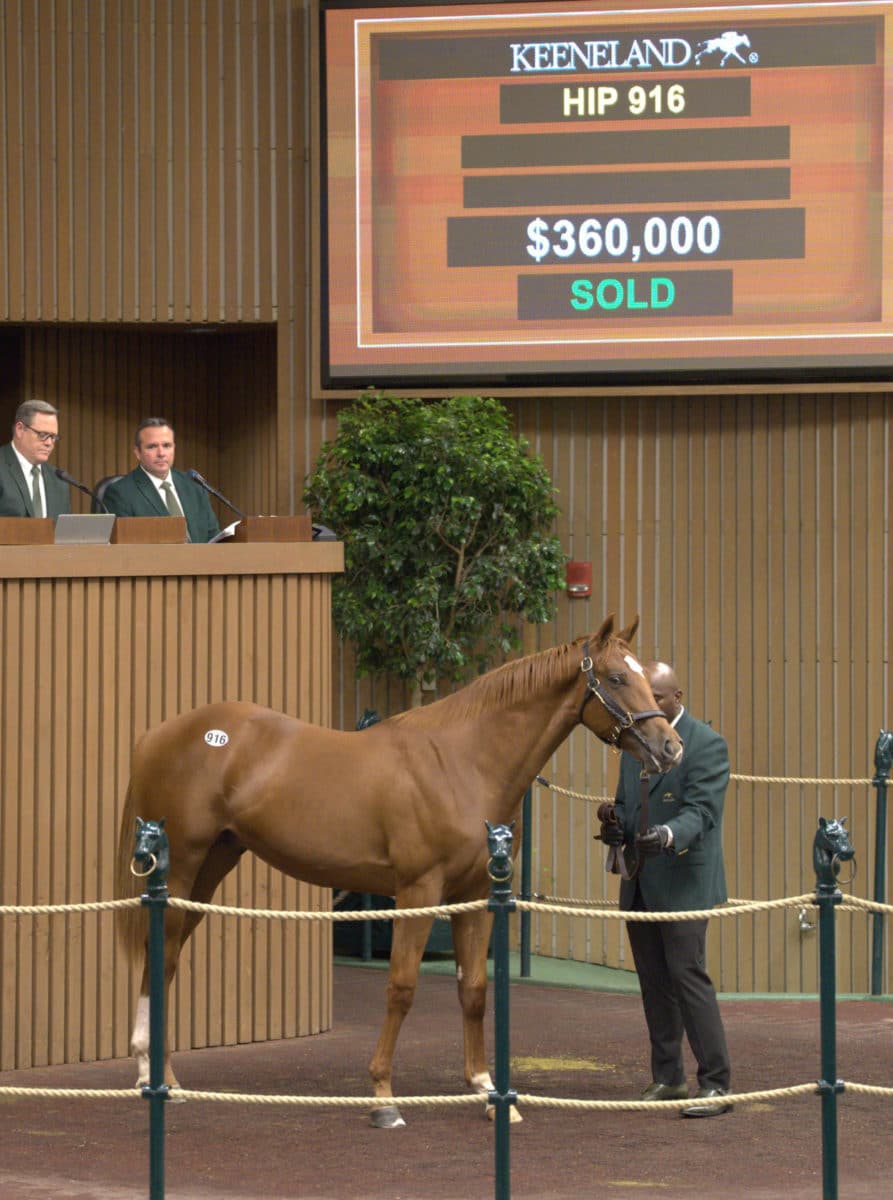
614	55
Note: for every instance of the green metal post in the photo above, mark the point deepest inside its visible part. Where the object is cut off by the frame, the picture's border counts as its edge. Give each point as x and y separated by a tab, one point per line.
883	756
830	847
502	904
526	877
157	1091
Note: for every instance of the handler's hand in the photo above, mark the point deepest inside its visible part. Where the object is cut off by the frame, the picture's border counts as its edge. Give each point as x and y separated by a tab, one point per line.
655	840
611	833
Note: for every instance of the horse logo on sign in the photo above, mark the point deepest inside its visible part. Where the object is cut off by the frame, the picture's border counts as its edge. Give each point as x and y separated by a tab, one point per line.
727	44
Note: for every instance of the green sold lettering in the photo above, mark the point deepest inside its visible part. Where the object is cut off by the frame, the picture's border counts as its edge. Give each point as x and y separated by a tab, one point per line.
611	294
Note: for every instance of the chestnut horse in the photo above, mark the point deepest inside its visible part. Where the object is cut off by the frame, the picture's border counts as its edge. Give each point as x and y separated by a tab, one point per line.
397	809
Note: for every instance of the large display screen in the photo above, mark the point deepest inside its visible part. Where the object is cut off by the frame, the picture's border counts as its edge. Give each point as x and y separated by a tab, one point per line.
568	194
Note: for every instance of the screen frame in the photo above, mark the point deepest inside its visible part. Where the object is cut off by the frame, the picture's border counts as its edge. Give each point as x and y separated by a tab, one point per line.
651	377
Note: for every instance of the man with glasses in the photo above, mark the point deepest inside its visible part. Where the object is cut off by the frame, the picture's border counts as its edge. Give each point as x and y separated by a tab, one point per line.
29	487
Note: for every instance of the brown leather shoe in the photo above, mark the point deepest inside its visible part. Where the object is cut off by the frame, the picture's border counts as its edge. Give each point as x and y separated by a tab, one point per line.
665	1091
708	1106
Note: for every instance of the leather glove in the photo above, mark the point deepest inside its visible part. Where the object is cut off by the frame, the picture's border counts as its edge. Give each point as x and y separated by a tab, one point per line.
611	833
655	840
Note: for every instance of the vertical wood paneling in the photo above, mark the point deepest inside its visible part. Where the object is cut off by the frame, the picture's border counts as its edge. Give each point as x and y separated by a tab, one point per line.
144	134
115	656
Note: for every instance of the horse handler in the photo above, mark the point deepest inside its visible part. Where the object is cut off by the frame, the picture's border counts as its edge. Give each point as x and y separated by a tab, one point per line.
668	848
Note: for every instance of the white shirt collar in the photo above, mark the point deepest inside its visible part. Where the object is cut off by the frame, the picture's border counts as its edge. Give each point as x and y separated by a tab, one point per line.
678	717
158	482
26	466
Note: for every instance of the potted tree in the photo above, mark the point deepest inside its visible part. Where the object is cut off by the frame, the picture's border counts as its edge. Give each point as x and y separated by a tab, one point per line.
445	518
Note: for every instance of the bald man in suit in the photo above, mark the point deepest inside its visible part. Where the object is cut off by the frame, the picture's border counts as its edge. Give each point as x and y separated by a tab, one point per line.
29	487
681	869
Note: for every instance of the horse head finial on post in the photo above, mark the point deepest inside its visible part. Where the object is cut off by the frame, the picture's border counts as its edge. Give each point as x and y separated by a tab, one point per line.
883	753
831	847
151	853
499	843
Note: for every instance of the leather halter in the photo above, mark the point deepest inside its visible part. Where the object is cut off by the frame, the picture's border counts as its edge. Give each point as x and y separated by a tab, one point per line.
623	718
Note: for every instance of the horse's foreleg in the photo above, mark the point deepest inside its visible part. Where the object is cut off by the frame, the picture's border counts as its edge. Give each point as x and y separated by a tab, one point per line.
407	947
471	936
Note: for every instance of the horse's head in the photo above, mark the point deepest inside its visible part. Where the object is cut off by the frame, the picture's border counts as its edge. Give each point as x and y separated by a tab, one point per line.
151	851
627	715
499	845
831	846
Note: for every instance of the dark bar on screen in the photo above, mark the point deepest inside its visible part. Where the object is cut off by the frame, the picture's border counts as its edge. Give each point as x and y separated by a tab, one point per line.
579	149
747	233
631	187
538	102
620	296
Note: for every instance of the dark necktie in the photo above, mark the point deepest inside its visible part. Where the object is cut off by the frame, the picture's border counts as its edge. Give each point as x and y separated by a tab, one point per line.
36	499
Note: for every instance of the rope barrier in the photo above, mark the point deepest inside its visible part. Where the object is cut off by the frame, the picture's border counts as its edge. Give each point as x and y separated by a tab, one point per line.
567	906
728	910
362	914
37	910
452	1101
734	778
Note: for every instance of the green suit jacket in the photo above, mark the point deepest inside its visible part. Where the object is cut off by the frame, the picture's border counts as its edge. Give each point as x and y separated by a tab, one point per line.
136	496
690	800
15	490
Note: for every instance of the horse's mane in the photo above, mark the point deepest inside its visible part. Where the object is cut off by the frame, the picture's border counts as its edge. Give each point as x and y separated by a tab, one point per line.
512	682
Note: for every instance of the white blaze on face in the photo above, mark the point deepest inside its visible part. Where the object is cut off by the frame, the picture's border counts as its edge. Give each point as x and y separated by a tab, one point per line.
634	664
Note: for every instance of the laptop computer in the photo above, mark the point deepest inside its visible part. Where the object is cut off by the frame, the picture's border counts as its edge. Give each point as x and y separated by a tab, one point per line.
84	529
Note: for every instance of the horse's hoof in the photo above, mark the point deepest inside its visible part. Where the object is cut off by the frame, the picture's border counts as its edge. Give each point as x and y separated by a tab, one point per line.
175	1094
386	1118
514	1115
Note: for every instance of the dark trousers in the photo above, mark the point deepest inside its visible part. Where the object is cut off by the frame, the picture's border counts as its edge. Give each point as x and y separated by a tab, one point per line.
678	996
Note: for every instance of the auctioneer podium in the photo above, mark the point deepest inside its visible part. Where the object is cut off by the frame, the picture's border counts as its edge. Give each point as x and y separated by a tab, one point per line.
99	644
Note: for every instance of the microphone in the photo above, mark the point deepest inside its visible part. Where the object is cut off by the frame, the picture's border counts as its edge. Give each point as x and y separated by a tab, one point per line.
202	482
66	478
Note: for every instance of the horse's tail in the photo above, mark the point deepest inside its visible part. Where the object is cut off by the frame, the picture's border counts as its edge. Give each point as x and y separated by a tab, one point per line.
130	922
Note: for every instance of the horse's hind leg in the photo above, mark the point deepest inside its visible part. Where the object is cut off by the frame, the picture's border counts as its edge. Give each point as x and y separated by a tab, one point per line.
471	936
407	946
178	926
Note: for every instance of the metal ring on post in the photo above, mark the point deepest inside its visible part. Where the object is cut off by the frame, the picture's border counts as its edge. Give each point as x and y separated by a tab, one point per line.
835	867
143	874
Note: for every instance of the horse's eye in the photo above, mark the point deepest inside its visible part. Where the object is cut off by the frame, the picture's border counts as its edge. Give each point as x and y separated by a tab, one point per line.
617	680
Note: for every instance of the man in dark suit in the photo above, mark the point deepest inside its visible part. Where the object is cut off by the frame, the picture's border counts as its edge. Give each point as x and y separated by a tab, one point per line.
28	486
154	489
681	868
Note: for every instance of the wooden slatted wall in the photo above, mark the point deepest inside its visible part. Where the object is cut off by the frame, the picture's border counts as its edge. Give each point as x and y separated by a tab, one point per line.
752	534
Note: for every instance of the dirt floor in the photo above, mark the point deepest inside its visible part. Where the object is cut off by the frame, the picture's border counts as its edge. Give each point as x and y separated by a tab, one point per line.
565	1043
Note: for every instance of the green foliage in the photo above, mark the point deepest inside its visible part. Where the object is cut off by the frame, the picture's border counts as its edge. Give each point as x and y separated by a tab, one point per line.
444	516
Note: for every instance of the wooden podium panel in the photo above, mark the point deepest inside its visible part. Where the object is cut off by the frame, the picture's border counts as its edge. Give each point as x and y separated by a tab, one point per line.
143	531
26	531
101	644
273	529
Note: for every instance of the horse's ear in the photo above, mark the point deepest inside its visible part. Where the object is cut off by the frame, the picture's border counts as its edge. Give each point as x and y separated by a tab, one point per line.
822	822
489	826
843	820
605	630
161	822
627	635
